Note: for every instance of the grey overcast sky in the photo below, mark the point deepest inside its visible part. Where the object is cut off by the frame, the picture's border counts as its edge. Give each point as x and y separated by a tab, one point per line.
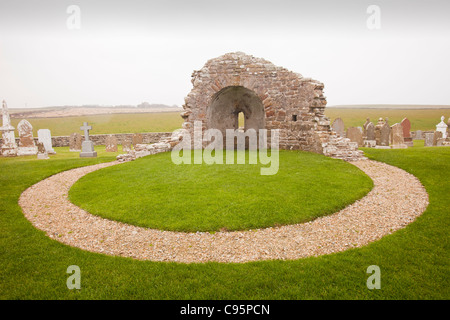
127	52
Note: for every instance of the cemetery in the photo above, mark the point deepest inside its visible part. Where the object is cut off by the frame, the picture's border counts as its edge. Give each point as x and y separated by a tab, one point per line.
343	198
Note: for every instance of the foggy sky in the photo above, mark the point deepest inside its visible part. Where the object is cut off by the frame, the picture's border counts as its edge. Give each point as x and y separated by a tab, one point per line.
127	52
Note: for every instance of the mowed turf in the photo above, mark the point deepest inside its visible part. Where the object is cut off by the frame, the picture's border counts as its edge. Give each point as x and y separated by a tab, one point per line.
413	262
156	193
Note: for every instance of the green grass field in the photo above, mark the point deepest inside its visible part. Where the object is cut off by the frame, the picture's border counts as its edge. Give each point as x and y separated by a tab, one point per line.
414	261
214	197
108	123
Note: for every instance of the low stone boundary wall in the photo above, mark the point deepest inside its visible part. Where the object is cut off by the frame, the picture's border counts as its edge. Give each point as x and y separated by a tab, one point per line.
100	139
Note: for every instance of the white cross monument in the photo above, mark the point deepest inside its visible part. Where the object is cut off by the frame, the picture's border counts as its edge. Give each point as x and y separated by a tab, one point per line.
87	147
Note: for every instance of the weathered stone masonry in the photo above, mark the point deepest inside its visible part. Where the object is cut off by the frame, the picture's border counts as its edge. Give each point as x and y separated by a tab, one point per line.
100	139
270	97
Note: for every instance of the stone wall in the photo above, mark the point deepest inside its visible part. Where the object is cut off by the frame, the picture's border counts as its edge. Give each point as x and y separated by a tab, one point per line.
100	139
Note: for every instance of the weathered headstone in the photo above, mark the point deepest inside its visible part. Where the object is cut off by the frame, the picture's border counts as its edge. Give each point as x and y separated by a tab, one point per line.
369	134
338	126
378	131
45	137
365	126
442	127
137	139
428	142
126	145
385	133
448	128
41	153
355	135
418	135
87	147
406	125
397	139
370	131
26	141
436	137
9	146
111	143
75	141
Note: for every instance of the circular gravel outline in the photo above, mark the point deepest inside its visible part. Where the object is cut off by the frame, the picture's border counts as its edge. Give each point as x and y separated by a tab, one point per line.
396	200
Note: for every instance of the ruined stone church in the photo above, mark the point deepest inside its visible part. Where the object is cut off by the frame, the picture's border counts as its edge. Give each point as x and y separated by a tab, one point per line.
269	97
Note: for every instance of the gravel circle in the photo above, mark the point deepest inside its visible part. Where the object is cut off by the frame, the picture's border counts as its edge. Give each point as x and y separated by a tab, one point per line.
396	200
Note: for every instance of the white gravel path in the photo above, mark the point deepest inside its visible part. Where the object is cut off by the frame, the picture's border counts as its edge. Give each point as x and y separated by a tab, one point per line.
396	200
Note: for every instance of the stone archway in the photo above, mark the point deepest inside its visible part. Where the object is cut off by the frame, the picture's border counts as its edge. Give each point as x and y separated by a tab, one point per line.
223	112
270	97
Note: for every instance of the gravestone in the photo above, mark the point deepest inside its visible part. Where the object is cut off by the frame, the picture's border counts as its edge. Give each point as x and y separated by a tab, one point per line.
26	141
45	137
418	135
428	142
365	126
442	127
75	141
9	146
126	145
338	126
111	144
406	125
385	133
87	147
355	135
137	139
378	131
370	131
41	153
397	139
436	137
369	137
448	128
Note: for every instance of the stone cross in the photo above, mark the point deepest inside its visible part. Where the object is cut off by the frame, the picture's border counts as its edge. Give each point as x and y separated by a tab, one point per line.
86	129
5	116
9	147
87	147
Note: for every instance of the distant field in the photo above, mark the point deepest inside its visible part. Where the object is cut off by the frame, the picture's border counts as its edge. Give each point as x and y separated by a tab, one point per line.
108	123
421	119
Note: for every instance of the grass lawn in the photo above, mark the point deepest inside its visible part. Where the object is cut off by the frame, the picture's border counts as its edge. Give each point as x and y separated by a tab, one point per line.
414	261
153	192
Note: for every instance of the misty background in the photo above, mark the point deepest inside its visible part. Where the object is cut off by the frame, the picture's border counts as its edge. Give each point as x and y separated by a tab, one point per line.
127	52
